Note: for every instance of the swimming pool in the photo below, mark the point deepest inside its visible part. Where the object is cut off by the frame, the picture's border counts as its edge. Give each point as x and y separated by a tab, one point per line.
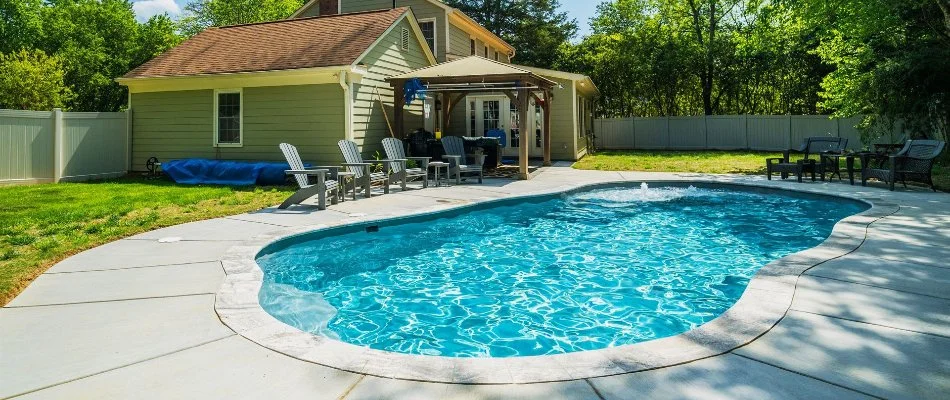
580	271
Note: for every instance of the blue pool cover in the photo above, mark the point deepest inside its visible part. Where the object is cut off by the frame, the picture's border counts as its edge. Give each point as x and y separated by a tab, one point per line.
197	171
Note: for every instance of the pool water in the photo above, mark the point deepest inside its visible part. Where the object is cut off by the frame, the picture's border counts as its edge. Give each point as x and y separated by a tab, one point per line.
548	275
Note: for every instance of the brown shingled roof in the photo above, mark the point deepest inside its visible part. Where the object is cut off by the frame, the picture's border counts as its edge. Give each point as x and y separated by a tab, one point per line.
290	44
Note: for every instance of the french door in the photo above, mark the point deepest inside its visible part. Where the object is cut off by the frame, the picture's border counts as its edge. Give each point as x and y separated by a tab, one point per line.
486	113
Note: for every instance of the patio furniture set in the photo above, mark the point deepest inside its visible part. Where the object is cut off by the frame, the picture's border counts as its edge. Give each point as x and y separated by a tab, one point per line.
356	175
912	160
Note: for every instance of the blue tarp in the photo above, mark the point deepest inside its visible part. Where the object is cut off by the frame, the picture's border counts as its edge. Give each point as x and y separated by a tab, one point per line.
196	171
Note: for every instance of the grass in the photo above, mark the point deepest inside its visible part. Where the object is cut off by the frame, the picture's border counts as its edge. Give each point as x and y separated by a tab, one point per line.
43	224
711	162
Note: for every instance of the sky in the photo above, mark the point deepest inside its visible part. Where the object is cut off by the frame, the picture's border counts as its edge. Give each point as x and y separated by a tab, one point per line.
581	10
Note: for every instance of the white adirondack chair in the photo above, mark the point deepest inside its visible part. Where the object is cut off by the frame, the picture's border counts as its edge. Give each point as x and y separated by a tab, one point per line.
396	153
326	181
458	163
362	171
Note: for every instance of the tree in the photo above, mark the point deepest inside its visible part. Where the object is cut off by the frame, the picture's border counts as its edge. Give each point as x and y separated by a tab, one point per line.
201	14
534	27
20	24
31	80
890	60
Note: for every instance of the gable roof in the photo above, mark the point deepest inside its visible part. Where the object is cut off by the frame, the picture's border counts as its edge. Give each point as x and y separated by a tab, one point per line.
460	19
472	66
583	79
333	40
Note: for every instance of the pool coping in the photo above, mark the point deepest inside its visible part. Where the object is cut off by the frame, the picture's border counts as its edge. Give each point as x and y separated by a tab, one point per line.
764	303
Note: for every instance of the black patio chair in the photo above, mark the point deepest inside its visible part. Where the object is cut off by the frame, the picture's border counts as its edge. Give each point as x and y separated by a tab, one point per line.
913	163
811	161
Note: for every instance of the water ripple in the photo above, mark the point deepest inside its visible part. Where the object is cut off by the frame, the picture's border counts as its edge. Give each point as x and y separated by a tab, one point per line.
602	268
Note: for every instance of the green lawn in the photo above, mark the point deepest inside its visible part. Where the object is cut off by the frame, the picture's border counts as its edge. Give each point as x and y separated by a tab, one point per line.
43	224
713	162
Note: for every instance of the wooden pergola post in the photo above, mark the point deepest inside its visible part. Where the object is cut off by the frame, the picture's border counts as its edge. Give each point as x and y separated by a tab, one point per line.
399	106
546	106
523	102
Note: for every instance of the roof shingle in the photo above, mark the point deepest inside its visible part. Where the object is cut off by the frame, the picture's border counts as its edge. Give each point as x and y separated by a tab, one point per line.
268	46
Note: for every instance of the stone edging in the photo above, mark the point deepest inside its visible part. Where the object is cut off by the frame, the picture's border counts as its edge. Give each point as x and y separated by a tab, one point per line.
764	303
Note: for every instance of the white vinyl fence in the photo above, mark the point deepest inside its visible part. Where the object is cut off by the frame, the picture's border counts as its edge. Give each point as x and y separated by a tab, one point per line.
53	146
722	132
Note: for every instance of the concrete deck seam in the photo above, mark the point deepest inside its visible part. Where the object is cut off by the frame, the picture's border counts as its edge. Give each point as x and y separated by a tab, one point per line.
119	367
186	240
113	301
876	286
895	259
263	223
867	227
810	376
594	388
124	268
870	323
350	389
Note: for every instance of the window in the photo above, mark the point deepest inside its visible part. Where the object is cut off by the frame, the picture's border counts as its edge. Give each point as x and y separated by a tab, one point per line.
228	118
472	119
473	47
428	32
405	39
496	56
486	52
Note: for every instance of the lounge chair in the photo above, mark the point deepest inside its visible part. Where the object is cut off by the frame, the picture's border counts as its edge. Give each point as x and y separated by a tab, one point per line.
458	163
399	169
811	161
326	181
913	163
363	174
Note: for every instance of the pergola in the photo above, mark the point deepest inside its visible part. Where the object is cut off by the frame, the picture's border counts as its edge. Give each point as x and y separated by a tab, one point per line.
454	80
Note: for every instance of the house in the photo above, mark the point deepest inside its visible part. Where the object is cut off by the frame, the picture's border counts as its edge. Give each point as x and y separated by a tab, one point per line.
452	35
237	92
320	76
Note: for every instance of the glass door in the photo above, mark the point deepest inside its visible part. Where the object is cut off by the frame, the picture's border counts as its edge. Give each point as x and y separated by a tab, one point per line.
537	128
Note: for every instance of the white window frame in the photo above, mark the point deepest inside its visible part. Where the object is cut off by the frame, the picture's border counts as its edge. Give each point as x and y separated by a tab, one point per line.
240	142
435	34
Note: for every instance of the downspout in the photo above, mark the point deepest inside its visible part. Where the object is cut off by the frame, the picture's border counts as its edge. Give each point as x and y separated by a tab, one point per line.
347	104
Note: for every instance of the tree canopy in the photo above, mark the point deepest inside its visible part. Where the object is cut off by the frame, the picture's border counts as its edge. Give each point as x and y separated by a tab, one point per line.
536	28
201	14
886	59
31	80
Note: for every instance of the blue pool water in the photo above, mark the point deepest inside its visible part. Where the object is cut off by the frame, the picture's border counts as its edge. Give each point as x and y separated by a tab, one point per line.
555	274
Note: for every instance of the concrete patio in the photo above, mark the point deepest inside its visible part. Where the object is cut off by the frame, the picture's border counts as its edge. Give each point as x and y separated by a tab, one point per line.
136	319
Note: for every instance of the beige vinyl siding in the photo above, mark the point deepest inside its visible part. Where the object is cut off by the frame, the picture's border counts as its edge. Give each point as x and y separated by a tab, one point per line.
563	130
384	60
312	11
180	124
460	39
421	9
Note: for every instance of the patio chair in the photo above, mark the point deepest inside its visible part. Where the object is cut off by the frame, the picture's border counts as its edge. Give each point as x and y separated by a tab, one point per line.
396	152
458	163
326	181
363	174
811	161
913	163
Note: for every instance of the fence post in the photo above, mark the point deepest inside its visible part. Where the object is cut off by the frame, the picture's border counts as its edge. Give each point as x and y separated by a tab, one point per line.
128	140
57	144
745	129
705	132
788	144
668	133
633	131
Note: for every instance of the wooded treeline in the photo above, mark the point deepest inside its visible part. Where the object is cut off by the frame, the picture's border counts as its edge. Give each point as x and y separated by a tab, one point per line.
888	59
